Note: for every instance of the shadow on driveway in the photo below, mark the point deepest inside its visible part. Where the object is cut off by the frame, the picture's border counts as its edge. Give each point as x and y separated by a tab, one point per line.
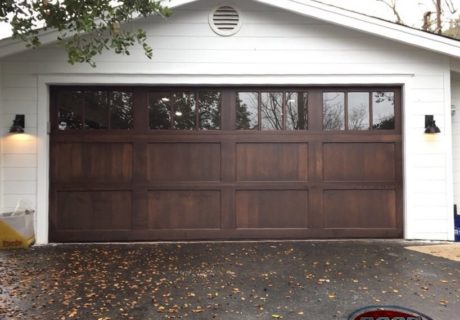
242	280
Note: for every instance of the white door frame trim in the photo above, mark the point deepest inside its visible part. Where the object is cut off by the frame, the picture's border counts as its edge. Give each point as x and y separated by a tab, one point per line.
44	81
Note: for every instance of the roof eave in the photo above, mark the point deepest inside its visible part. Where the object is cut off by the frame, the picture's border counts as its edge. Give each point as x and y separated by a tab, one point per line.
369	25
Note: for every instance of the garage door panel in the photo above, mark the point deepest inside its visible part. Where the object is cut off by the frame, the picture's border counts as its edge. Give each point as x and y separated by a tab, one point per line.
92	162
275	209
109	161
67	161
272	161
183	162
359	161
100	210
173	209
347	209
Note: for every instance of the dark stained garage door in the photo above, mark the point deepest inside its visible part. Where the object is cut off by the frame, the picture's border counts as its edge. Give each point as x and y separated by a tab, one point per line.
158	163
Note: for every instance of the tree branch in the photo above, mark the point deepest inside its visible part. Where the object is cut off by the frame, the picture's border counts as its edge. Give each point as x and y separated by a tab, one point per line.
392	6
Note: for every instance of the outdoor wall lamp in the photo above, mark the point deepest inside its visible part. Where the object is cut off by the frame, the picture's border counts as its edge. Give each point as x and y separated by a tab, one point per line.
18	124
430	125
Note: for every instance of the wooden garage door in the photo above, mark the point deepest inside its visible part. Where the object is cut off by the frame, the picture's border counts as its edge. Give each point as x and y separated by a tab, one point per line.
151	163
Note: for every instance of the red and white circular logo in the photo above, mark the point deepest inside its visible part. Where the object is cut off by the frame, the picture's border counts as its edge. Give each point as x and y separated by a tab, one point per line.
387	313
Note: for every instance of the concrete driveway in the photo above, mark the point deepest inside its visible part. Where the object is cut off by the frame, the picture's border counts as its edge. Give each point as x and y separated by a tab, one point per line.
243	280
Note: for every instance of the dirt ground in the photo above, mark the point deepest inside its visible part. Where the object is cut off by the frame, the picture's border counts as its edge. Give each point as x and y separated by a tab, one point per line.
447	251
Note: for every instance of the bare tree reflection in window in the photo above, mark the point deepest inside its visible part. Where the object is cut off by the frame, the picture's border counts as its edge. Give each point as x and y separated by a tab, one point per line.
247	110
334	111
271	108
296	111
210	110
184	110
383	109
358	111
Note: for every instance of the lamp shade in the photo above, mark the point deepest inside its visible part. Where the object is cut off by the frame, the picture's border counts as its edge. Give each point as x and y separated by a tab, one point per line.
18	124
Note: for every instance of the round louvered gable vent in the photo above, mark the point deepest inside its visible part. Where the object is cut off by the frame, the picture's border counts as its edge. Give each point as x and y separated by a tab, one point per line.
225	20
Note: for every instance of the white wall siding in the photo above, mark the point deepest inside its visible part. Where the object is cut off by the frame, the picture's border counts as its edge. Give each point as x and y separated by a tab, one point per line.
272	47
456	136
19	152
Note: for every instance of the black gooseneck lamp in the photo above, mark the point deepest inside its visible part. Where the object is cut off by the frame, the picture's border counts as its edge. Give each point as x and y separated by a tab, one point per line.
18	124
430	125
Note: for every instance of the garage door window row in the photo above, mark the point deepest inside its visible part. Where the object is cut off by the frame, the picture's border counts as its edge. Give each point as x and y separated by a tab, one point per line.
95	109
358	110
185	110
201	109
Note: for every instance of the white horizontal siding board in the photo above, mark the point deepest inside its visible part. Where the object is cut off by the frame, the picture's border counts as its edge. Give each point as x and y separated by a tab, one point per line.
437	200
25	144
19	160
20	93
20	187
15	106
431	226
143	68
20	81
429	212
430	160
236	56
421	108
20	174
431	186
318	43
429	82
12	200
430	95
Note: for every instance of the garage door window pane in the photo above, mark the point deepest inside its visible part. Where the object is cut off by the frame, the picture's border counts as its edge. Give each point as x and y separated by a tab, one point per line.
296	111
121	109
247	110
97	110
210	106
271	108
160	113
334	111
358	111
70	107
383	110
184	107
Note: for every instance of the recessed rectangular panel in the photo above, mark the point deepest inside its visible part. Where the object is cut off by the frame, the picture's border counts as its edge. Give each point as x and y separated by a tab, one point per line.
175	209
359	161
271	208
346	209
67	163
99	210
183	162
109	162
272	161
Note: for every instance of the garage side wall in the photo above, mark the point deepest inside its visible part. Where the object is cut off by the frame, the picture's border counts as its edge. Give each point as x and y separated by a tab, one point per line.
272	47
456	135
